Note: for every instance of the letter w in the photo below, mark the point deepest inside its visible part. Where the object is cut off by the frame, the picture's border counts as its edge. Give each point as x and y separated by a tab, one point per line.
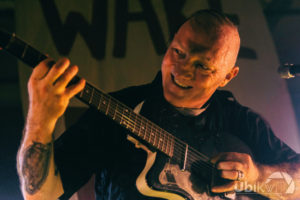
64	35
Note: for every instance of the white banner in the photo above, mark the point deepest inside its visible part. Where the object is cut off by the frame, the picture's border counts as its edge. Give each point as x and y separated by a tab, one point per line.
118	43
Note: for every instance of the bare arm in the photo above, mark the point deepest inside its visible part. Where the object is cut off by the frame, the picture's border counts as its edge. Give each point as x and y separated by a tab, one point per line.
48	98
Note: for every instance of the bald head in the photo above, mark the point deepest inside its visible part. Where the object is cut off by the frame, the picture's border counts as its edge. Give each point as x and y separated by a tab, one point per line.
219	30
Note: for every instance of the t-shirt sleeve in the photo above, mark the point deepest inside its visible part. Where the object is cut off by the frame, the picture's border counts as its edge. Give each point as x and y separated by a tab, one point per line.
78	151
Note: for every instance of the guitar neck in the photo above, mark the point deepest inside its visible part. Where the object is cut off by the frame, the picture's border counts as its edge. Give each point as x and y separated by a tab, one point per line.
104	103
126	117
138	125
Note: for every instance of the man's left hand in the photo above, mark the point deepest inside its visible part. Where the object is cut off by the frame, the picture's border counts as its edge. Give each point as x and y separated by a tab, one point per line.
236	167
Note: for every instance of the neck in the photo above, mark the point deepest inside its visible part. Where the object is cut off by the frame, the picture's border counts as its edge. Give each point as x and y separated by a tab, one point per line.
191	111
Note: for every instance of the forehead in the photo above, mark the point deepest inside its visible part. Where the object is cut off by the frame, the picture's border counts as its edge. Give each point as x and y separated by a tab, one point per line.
220	42
201	38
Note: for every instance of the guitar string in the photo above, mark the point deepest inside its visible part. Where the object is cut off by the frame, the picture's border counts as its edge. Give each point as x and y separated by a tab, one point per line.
111	100
202	157
200	163
133	123
191	158
122	115
157	127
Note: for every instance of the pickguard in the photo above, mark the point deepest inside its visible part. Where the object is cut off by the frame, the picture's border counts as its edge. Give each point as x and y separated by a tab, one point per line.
167	180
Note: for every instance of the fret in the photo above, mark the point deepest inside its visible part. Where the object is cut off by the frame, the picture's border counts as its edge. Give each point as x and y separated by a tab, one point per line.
24	51
172	146
164	142
161	134
160	147
148	129
122	117
114	115
139	125
153	132
118	113
131	124
96	98
144	129
111	109
147	133
122	113
154	139
108	104
167	144
159	139
91	97
86	92
104	104
150	135
133	117
81	93
126	118
135	123
99	102
141	128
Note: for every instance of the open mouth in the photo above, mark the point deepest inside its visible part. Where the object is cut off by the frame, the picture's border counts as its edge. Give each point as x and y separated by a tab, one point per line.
179	84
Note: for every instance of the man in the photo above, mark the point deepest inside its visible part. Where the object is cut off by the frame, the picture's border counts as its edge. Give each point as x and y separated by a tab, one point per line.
183	99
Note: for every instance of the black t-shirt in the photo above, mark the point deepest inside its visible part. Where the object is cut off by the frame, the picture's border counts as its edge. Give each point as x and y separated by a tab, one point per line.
97	145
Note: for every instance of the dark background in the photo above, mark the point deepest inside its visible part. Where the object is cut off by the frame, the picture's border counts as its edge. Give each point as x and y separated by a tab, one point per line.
283	17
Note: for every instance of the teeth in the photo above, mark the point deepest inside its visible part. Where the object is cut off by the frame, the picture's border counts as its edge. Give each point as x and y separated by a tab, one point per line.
180	84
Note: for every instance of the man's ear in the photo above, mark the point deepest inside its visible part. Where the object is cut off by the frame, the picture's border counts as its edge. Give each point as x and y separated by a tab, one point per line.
233	73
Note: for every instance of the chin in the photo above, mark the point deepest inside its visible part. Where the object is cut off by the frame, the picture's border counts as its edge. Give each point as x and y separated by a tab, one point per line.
175	99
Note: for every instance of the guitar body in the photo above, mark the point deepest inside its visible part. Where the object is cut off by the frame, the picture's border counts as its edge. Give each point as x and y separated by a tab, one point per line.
164	179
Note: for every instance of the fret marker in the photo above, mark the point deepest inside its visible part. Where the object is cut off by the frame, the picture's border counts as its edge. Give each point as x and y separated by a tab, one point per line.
87	91
104	102
143	127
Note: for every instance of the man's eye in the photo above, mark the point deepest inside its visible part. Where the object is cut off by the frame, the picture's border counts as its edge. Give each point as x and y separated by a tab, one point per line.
199	65
178	52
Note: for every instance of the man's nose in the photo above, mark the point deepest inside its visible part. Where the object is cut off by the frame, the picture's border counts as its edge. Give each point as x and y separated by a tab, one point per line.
185	69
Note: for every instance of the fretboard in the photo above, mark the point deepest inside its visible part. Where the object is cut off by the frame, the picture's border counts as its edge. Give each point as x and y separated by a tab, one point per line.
104	103
126	117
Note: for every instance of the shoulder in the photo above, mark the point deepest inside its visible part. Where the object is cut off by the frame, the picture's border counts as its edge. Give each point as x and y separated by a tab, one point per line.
230	104
237	116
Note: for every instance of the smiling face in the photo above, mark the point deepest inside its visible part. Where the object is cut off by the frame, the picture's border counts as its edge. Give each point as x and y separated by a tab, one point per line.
197	62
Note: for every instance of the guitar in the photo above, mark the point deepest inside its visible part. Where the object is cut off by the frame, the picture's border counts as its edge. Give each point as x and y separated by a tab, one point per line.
173	167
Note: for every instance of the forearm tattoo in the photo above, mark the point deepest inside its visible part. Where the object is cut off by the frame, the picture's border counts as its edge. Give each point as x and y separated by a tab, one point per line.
35	166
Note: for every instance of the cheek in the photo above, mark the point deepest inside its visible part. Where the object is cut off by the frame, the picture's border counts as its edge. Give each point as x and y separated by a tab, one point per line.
168	58
206	81
166	64
211	81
